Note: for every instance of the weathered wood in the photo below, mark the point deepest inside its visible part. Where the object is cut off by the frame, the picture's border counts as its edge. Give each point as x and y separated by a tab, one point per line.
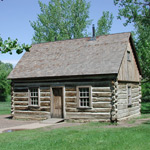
88	110
20	94
45	94
129	70
101	105
21	103
31	112
71	105
20	99
44	98
20	107
71	99
81	115
70	88
45	89
122	106
122	96
44	103
101	94
71	94
101	89
101	99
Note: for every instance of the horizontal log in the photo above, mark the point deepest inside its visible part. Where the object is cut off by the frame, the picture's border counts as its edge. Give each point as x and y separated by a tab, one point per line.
31	112
101	89
101	99
135	85
20	99
71	105
70	88
46	108
44	98
44	89
122	91
81	115
102	94
122	106
89	110
21	103
27	117
45	103
122	87
122	96
20	107
101	105
21	94
135	94
71	99
45	94
71	94
123	101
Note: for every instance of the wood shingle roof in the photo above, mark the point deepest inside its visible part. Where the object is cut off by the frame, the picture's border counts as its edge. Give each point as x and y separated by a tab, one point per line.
73	57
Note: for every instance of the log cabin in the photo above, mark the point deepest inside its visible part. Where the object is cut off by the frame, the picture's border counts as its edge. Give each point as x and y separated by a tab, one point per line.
86	79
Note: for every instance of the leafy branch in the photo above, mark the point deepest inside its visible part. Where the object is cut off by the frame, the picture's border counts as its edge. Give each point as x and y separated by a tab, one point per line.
8	45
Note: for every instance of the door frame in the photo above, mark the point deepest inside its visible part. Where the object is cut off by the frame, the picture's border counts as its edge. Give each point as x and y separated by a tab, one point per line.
52	101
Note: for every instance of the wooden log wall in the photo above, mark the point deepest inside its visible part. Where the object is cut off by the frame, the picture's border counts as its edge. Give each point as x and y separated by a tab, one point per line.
101	107
124	110
101	103
22	109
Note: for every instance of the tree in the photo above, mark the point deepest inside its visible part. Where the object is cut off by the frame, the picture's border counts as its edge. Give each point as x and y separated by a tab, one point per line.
104	23
138	13
5	69
8	45
61	19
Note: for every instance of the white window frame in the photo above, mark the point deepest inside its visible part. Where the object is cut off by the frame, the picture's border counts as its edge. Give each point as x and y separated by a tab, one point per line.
35	96
89	97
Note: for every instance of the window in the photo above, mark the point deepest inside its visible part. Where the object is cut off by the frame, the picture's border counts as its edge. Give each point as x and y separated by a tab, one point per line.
128	56
34	100
129	96
84	97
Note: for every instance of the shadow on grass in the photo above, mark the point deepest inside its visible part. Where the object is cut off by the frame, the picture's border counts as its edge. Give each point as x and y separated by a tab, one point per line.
145	109
147	122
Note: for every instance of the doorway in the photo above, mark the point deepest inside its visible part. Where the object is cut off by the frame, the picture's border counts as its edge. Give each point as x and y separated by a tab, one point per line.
57	103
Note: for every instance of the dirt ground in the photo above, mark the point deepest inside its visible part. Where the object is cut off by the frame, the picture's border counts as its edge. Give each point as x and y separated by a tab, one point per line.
7	122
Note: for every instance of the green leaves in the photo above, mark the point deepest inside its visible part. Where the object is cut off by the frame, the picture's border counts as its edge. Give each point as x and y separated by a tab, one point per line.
104	23
5	69
8	45
61	19
138	13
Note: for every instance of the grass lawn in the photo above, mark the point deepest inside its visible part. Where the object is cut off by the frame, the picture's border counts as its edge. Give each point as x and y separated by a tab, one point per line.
5	108
90	136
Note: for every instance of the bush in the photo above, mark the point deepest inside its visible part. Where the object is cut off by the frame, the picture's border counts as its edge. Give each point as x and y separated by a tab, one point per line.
146	92
5	88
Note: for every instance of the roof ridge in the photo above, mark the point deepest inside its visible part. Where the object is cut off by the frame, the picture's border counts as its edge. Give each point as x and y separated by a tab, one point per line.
80	38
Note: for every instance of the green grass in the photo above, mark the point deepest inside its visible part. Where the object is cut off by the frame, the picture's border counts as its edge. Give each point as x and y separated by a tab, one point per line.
91	136
5	108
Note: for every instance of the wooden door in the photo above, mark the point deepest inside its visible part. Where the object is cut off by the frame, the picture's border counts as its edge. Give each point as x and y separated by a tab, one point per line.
57	103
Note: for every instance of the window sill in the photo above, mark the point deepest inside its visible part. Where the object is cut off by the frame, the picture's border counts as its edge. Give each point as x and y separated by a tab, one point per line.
84	107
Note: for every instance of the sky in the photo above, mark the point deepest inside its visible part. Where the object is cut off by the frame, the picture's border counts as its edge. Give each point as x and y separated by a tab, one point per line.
16	14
